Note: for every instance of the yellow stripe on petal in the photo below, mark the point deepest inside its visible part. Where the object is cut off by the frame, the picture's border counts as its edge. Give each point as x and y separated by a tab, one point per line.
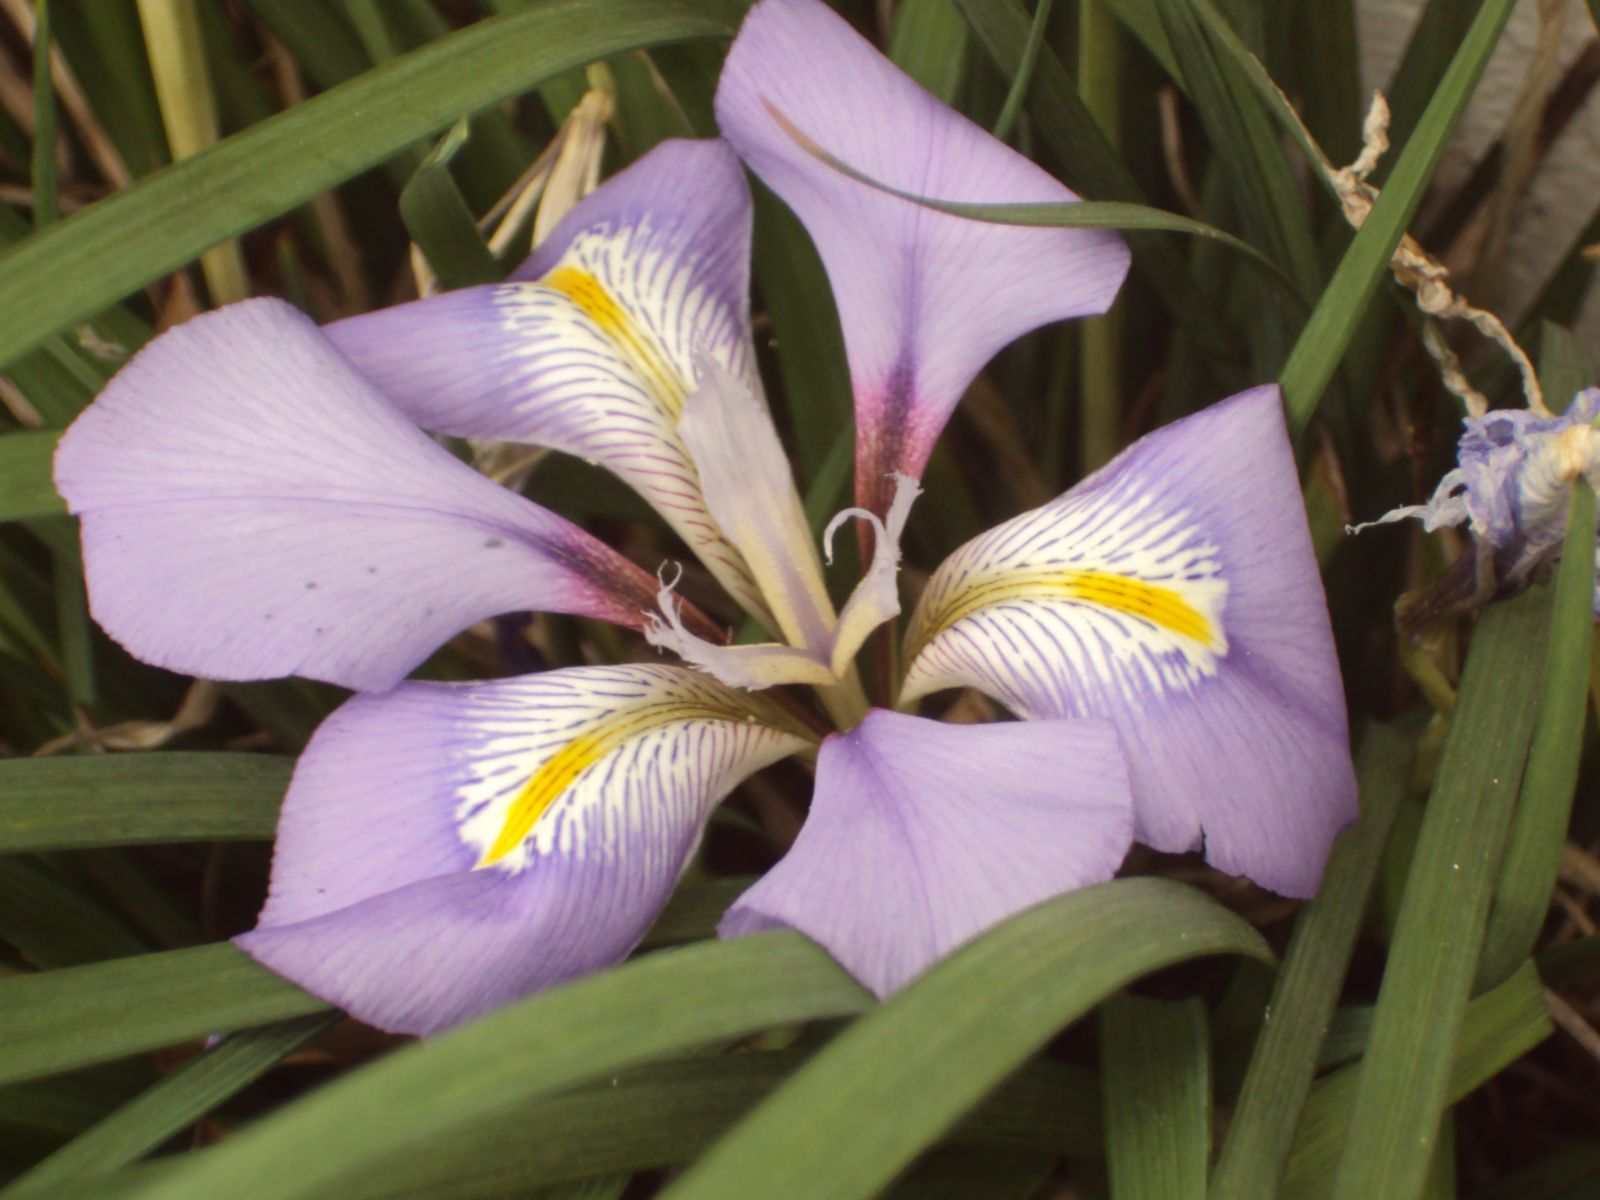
1164	607
634	343
568	764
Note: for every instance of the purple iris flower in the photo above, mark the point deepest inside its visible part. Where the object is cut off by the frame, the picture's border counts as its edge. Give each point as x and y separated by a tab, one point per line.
258	499
1511	487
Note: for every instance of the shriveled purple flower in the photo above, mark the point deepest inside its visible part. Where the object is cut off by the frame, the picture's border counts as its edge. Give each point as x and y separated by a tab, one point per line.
257	501
1511	488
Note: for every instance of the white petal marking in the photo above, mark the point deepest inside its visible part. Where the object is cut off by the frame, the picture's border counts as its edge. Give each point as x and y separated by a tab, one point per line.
610	336
1107	593
573	759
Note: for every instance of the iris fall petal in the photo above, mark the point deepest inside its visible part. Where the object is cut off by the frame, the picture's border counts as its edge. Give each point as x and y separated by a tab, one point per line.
252	508
1173	592
591	347
922	835
447	848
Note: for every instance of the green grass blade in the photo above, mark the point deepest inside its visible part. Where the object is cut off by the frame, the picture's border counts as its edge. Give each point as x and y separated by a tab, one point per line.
658	1115
1539	830
1079	214
1326	336
929	43
97	256
665	1003
176	1102
1286	1052
52	923
1088	163
1405	1074
42	174
26	489
134	799
895	1081
439	221
1500	1027
58	1020
794	288
1156	1070
318	35
1020	81
1241	137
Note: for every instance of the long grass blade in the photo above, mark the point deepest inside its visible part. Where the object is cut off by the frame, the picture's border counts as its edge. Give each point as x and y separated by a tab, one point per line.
1533	853
665	1003
1499	1028
1285	1057
1405	1074
26	489
135	799
176	1102
1326	336
1156	1069
75	1017
895	1081
97	256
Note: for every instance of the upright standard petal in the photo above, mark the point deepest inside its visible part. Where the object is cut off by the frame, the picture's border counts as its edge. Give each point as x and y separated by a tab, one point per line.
925	298
253	508
922	835
591	348
447	848
1173	592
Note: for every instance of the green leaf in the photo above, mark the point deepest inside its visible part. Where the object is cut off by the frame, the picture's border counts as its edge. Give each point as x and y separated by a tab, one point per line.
664	1003
1252	161
1023	76
1539	831
133	799
896	1080
42	173
439	221
929	43
1156	1068
1286	1053
1405	1074
658	1115
97	256
1076	214
176	1102
77	1016
1500	1027
26	488
52	923
816	380
1326	336
1088	162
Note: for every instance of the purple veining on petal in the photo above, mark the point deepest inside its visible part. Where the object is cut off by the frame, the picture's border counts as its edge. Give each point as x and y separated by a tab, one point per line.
251	508
925	298
1224	687
379	900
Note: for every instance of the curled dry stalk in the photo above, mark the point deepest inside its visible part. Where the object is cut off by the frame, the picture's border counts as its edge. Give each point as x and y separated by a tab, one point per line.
1425	276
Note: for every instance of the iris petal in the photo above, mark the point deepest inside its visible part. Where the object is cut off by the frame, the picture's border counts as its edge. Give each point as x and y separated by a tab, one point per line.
448	848
1174	593
591	348
925	298
253	508
922	835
